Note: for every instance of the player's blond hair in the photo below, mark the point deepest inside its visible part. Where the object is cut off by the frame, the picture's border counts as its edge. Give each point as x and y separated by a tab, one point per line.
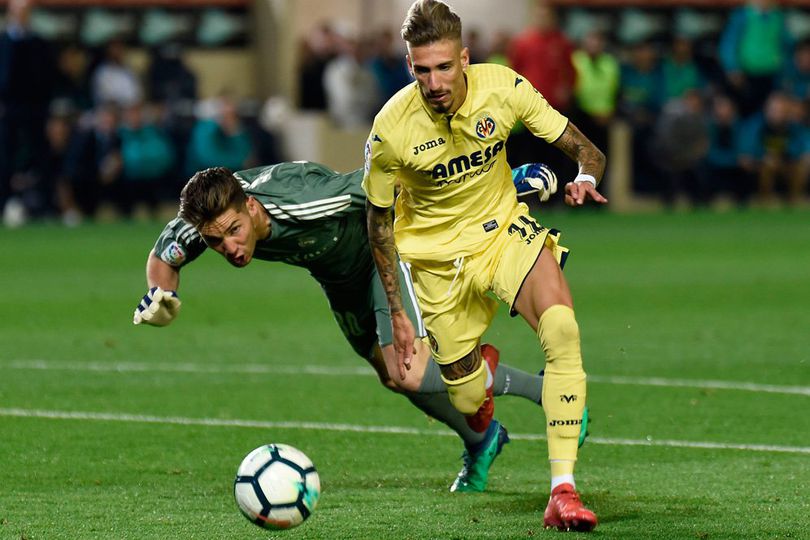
209	194
428	21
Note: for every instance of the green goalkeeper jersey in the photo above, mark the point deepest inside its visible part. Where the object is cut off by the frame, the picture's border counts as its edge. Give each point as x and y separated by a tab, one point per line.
317	221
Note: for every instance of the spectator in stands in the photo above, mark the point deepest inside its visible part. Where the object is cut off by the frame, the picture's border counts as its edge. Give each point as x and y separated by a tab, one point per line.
754	48
93	160
596	91
147	160
542	53
639	103
27	75
316	52
795	79
169	80
72	83
679	70
722	172
352	95
219	139
680	144
113	81
388	66
499	48
775	147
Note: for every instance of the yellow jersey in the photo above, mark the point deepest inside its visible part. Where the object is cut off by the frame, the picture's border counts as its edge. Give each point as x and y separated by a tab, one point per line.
456	184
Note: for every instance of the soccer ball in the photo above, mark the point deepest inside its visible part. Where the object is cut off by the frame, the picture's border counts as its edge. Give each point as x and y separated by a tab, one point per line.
276	486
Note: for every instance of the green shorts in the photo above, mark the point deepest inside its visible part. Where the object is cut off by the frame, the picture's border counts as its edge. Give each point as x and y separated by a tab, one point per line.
362	311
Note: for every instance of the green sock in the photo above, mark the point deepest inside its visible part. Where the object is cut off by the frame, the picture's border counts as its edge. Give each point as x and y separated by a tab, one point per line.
438	406
511	381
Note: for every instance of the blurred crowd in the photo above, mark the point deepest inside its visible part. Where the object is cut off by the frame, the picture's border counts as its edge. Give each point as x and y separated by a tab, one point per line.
718	119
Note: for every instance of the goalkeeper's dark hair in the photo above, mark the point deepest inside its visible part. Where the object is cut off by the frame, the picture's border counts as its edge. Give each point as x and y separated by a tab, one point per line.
208	194
428	21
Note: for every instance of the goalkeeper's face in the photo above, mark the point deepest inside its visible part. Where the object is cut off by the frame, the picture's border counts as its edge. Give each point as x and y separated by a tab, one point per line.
234	233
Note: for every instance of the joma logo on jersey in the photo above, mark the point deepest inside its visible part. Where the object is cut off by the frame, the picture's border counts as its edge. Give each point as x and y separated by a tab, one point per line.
485	127
460	164
428	145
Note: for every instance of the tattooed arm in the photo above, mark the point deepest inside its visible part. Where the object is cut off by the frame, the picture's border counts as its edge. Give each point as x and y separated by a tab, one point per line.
591	162
380	222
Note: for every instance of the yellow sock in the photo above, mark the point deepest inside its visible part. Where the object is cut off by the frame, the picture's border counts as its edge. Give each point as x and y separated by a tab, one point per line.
563	386
468	393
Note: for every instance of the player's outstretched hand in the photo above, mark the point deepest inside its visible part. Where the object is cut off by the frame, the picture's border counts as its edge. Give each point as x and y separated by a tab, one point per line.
404	335
157	307
579	191
535	178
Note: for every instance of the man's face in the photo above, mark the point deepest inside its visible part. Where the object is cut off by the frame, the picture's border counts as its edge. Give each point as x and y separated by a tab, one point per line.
233	234
438	68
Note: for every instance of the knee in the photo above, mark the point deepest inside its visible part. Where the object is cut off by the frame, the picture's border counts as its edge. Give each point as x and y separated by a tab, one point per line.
466	383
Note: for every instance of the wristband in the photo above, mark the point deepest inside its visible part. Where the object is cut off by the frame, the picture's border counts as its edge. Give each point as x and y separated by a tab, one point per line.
582	177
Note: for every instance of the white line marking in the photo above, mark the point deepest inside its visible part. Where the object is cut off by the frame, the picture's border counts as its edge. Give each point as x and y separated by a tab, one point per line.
696	383
360	370
398	430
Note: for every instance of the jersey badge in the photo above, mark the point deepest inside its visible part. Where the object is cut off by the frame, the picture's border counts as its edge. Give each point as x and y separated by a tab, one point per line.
174	254
485	127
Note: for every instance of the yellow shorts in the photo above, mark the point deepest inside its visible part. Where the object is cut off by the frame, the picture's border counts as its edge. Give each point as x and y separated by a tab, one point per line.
456	296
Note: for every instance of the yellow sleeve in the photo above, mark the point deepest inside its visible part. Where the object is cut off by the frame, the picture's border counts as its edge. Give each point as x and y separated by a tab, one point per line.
380	173
536	113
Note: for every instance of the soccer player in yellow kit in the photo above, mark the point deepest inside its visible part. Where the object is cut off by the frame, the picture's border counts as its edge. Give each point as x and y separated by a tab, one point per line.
440	140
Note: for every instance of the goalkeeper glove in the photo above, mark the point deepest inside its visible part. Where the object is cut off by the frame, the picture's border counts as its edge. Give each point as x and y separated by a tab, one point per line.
158	307
535	178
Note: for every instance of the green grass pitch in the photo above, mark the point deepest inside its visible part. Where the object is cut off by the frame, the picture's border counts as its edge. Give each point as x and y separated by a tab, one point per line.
695	336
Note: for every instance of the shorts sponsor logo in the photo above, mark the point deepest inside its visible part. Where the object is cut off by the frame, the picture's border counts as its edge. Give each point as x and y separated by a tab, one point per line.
174	254
485	127
565	422
435	143
490	225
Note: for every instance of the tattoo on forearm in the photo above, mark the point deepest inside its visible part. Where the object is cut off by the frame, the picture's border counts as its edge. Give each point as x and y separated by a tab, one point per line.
380	223
575	145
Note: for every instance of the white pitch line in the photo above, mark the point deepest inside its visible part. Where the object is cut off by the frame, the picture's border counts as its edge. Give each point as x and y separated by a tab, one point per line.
697	383
398	430
360	370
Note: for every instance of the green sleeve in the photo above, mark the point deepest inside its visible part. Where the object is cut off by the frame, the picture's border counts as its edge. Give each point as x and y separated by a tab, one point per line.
179	243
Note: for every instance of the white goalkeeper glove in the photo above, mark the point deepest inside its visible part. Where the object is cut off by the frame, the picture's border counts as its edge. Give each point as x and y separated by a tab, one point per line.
535	178
158	307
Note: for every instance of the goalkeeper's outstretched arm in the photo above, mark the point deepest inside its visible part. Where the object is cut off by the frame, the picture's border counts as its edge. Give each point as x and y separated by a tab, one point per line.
161	274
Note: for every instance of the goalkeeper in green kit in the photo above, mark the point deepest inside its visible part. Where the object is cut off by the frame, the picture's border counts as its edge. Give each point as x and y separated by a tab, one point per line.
305	214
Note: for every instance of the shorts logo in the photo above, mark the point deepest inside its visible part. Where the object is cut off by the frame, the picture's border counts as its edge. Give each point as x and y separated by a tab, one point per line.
568	399
485	127
174	254
490	225
433	343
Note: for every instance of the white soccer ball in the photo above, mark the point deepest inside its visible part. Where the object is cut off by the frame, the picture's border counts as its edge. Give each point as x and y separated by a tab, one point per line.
277	486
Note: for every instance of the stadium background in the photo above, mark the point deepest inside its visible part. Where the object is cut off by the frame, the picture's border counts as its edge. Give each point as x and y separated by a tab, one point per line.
693	326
